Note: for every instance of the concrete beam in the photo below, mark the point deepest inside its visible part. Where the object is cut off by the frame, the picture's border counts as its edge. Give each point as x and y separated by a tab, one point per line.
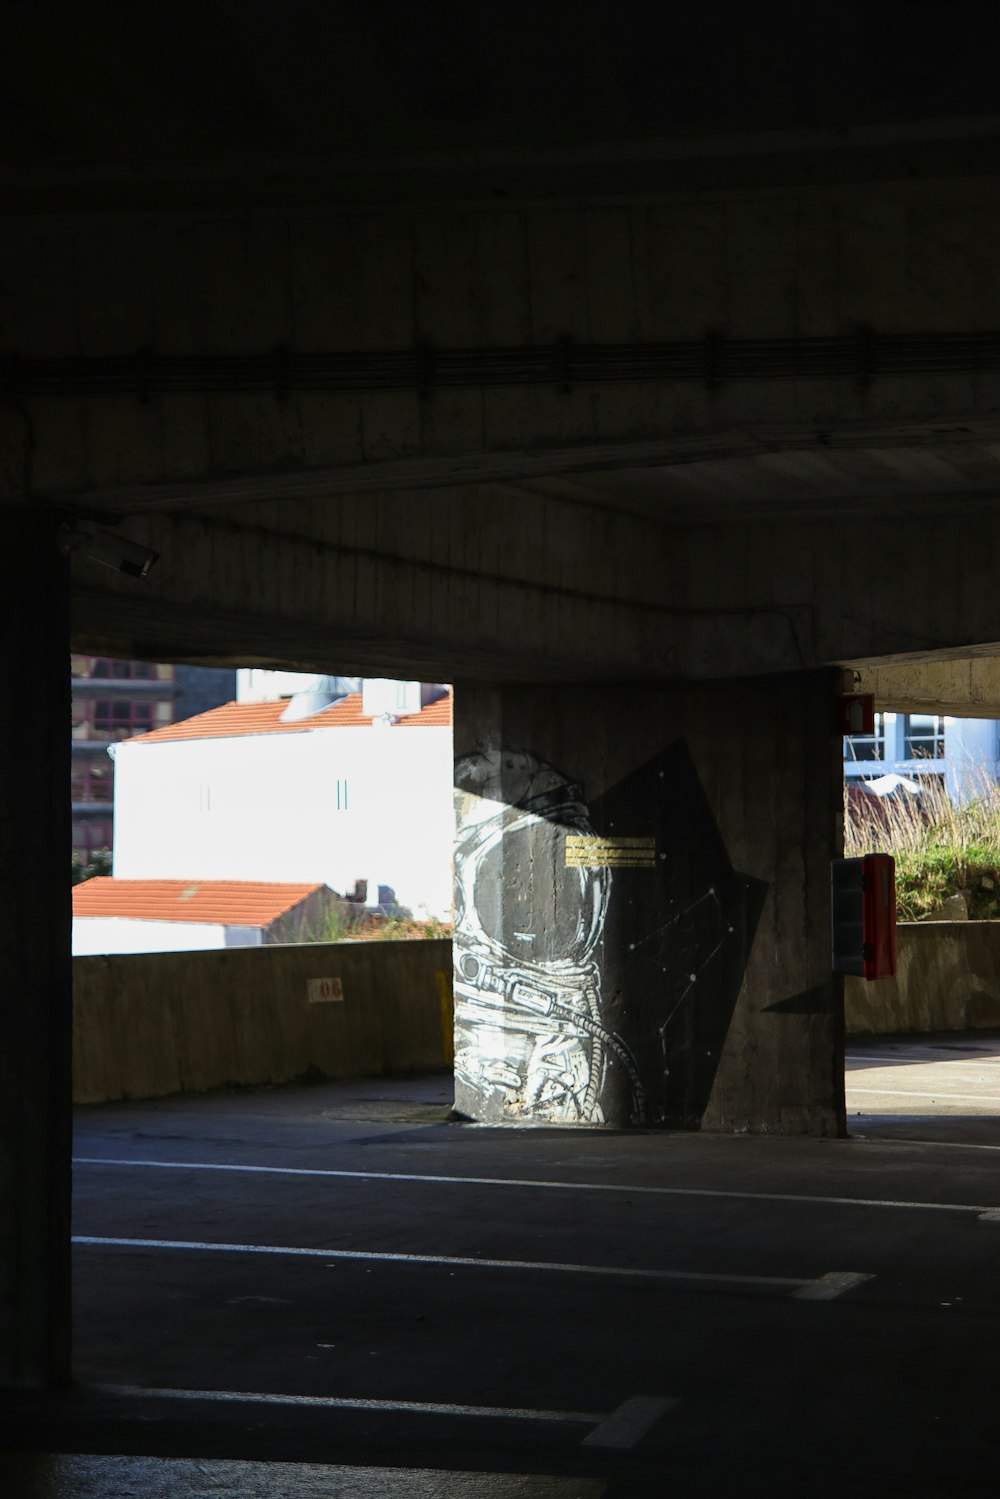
910	258
968	688
313	527
484	583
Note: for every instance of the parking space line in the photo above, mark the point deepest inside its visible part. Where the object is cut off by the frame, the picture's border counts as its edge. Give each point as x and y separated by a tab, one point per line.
627	1426
620	1431
355	1403
941	1096
828	1287
464	1262
907	1058
895	1140
551	1186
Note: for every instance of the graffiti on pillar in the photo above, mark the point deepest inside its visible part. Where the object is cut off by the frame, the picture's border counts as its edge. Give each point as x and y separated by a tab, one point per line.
530	910
599	948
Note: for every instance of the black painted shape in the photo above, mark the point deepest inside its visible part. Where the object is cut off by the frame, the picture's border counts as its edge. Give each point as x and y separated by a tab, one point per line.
675	943
815	1001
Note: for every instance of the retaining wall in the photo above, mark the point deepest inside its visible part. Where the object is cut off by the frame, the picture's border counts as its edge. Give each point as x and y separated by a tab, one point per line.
947	979
149	1024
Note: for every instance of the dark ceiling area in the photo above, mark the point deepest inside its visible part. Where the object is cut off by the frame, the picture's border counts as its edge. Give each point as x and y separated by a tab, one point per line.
103	83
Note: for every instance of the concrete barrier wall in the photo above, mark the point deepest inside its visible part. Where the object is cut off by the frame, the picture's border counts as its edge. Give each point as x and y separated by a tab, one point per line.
947	979
149	1024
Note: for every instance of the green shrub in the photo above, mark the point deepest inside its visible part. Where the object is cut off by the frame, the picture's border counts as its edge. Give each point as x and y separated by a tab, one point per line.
100	863
941	849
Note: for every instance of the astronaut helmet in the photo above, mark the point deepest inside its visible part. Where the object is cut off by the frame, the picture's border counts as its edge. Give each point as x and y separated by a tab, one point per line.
521	903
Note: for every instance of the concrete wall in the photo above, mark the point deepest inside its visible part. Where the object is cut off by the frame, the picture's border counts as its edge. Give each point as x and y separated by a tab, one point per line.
642	905
152	1024
947	979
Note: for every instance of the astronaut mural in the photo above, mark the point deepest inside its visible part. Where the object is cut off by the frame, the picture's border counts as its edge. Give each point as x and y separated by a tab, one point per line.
598	948
529	1024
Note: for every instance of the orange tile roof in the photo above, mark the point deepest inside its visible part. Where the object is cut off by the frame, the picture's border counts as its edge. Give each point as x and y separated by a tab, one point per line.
435	715
233	720
226	902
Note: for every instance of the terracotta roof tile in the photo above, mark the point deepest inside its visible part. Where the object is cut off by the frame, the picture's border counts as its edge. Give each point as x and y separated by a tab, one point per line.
234	720
225	902
435	715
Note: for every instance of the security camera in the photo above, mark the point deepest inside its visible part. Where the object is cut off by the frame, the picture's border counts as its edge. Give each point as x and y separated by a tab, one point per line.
112	551
118	552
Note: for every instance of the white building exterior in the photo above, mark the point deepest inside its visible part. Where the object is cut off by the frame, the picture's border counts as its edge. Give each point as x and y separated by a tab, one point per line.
236	794
104	934
963	752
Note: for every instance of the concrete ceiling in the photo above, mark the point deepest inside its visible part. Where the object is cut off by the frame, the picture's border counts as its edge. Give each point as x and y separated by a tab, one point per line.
132	87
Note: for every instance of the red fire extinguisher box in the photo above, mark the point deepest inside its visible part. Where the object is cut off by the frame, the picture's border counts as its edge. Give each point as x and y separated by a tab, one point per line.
863	912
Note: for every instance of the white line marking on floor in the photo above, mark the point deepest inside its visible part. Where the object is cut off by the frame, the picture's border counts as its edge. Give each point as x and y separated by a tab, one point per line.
551	1186
968	1059
832	1285
338	1402
465	1262
933	1144
627	1426
939	1097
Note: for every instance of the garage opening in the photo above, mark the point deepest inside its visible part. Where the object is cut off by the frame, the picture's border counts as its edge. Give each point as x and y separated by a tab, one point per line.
262	871
221	808
923	1049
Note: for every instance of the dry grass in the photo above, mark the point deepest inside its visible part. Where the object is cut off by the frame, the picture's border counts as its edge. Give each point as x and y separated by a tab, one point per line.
941	849
340	925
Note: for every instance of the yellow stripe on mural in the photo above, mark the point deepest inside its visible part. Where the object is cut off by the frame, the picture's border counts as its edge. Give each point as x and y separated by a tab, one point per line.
585	851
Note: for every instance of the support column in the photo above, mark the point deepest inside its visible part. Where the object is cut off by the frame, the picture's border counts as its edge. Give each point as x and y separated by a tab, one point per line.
642	923
35	964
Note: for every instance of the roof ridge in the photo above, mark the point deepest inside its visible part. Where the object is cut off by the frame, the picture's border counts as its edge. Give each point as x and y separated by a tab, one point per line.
236	720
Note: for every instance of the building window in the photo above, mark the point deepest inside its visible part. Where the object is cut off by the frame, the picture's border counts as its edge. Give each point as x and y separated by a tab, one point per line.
862	747
120	719
124	671
94	783
924	737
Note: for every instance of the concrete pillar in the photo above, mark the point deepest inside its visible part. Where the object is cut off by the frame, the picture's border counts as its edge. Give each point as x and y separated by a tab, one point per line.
35	973
642	924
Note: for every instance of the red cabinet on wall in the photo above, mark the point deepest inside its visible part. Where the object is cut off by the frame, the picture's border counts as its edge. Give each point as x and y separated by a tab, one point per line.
863	916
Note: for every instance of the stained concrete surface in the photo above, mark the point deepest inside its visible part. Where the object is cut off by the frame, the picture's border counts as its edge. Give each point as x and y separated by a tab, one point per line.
479	1301
933	1087
74	1476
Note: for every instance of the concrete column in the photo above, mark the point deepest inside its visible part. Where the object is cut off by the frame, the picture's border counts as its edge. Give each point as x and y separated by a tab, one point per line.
642	905
35	972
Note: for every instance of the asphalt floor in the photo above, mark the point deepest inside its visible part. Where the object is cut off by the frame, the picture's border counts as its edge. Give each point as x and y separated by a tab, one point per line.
333	1290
